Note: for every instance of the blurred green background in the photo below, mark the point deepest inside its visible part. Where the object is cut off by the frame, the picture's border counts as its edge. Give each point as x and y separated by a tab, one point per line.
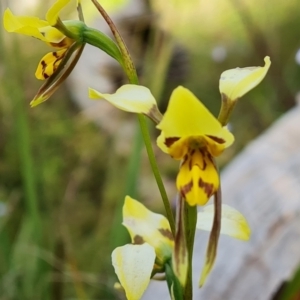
61	186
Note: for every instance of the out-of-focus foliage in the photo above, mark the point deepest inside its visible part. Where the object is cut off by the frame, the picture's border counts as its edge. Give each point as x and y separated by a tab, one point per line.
60	183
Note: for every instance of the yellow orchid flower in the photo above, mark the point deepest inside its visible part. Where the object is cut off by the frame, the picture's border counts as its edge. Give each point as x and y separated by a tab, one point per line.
189	132
45	31
152	246
144	226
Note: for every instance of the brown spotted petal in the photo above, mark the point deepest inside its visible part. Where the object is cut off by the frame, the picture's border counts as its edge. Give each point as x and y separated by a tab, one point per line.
198	177
49	63
144	226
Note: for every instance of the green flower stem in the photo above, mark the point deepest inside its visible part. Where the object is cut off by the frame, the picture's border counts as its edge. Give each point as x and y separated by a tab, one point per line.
128	66
190	221
227	107
155	170
130	71
174	286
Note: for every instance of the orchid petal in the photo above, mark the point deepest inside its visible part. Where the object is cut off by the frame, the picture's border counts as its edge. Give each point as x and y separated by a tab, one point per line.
133	265
233	223
53	12
49	63
180	252
187	116
237	82
24	25
145	226
198	178
130	98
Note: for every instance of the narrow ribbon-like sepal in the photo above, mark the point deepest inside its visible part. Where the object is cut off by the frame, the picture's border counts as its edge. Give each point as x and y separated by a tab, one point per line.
211	251
61	73
180	253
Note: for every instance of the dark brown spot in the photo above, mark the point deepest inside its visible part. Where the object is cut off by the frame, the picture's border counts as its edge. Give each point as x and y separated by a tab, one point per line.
55	54
46	76
138	240
170	141
216	139
204	154
190	164
62	44
209	156
186	188
208	188
166	233
185	158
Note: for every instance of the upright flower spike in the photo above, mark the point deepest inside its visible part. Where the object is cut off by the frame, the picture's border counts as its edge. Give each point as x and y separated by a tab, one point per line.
189	132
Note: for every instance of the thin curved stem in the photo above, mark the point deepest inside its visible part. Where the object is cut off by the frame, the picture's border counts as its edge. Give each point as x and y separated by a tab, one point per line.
131	73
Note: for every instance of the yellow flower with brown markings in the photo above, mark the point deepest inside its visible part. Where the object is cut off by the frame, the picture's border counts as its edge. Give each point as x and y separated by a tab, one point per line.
46	31
42	30
152	246
144	226
189	132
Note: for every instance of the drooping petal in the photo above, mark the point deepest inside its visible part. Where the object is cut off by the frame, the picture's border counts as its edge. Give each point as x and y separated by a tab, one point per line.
55	38
198	178
49	63
211	251
145	226
233	223
187	116
237	82
53	12
180	253
133	265
24	25
62	72
130	98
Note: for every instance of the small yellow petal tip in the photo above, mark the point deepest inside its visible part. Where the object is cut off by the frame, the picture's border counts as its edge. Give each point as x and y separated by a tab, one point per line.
235	83
37	101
